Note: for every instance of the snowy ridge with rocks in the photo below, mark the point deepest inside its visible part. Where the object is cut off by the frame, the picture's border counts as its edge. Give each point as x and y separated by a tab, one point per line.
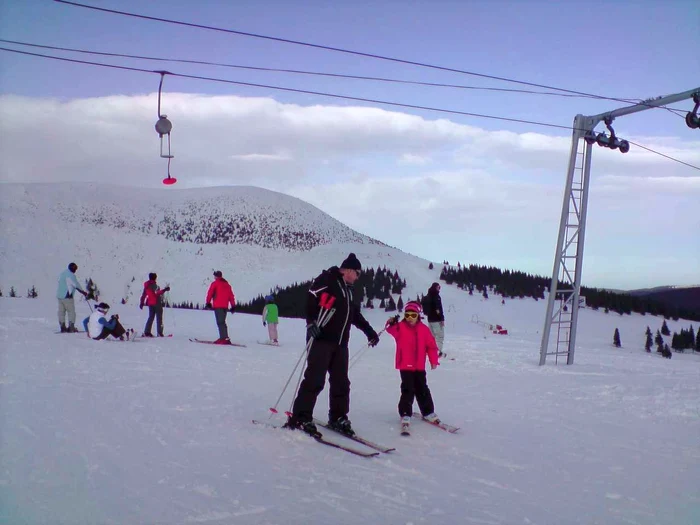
117	235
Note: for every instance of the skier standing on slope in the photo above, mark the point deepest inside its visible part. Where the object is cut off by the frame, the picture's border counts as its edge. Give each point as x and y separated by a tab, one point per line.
436	315
270	317
219	296
67	285
152	297
414	342
97	326
328	353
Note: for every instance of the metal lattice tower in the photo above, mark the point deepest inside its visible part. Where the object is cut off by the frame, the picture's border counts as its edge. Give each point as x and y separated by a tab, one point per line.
563	303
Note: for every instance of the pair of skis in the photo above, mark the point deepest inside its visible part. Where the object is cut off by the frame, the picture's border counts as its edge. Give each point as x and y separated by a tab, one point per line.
377	448
195	340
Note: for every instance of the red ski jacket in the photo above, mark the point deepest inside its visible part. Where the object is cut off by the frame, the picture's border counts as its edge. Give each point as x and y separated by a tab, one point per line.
413	343
151	295
220	294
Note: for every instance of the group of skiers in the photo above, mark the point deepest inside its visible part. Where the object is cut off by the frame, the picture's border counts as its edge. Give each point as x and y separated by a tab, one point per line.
219	297
330	312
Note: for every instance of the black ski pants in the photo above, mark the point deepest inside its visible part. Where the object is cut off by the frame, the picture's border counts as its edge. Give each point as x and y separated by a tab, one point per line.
220	315
324	357
154	312
414	385
117	332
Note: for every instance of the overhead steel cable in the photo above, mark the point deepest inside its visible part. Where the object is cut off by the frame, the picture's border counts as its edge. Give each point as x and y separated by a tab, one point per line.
339	50
319	93
301	72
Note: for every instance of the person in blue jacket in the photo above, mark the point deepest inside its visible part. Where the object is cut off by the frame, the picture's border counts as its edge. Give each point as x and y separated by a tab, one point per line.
67	285
98	327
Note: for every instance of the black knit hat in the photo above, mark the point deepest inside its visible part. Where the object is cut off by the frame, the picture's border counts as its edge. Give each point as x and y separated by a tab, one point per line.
351	263
218	273
152	276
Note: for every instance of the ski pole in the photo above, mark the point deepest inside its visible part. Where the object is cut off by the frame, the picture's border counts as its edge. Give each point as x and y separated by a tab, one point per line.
361	351
324	315
304	353
323	322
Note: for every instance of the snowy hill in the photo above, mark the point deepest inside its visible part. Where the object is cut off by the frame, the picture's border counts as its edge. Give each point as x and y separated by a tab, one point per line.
117	235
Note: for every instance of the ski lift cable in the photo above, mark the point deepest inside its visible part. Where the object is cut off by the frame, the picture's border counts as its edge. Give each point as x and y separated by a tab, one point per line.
334	49
324	94
318	73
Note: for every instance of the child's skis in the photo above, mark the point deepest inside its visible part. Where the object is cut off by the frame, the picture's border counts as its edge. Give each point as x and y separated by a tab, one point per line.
443	426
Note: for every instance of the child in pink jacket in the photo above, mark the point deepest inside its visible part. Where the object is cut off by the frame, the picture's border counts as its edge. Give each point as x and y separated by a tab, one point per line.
414	341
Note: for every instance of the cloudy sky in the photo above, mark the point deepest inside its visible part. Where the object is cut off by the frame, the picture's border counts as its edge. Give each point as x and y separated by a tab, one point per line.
438	185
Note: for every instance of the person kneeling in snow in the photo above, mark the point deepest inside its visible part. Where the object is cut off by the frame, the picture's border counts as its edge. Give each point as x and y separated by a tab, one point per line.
97	326
414	341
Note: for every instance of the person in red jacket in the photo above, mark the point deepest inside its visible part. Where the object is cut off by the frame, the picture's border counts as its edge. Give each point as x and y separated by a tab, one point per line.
152	297
219	296
414	341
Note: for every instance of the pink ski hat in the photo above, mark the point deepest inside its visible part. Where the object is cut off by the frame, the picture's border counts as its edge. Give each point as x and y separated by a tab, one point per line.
413	306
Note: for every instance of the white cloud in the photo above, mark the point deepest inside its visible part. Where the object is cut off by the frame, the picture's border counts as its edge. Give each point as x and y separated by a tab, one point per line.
416	160
253	157
470	194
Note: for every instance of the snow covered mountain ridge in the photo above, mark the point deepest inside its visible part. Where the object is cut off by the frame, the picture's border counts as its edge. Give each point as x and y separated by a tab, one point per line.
228	215
117	235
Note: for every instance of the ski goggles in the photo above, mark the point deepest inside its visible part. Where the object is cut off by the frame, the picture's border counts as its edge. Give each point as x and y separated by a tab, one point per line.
410	315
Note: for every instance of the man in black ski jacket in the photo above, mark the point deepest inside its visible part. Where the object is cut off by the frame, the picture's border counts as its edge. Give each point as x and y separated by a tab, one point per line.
328	352
436	315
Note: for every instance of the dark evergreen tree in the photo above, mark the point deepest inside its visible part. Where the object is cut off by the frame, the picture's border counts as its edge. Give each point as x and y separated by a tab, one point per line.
430	266
659	341
649	342
399	305
664	329
32	293
12	292
691	338
92	290
382	304
616	338
369	304
485	294
697	342
391	305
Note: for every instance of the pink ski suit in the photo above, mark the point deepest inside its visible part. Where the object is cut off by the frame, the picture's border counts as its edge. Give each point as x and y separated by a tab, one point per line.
413	343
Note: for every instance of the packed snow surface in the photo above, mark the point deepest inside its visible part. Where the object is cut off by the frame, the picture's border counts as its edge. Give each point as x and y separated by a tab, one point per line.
158	431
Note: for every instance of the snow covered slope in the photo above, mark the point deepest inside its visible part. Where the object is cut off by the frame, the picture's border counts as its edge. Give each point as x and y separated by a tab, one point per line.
159	431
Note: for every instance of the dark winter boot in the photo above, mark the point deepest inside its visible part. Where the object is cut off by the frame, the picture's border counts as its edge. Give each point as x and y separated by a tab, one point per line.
146	334
342	425
305	426
71	328
63	328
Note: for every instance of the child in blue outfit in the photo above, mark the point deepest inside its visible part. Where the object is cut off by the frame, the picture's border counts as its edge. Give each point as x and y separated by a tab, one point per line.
98	327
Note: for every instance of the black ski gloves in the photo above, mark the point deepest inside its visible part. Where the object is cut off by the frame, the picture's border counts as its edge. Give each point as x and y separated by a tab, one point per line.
312	331
372	338
392	321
